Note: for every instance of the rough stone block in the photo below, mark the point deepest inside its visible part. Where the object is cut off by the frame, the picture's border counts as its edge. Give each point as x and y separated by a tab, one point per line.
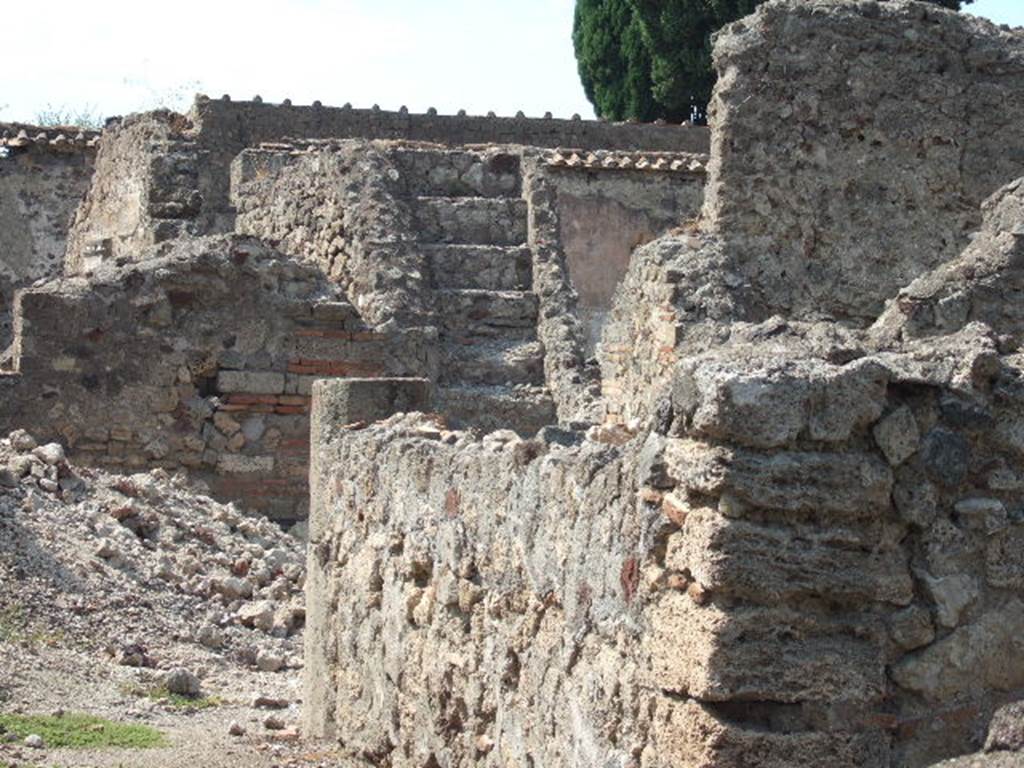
970	660
771	563
848	484
251	382
347	401
702	735
897	435
763	654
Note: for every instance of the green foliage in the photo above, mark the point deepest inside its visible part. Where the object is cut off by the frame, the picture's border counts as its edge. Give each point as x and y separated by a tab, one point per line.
161	695
649	59
613	60
82	731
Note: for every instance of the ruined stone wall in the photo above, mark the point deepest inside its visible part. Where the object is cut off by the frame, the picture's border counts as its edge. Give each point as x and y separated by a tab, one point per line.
247	123
191	155
473	582
208	366
485	244
830	187
145	191
339	205
801	545
839	185
802	561
43	176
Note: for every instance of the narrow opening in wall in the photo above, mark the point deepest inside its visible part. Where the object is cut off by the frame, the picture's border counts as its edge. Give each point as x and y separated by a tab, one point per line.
206	386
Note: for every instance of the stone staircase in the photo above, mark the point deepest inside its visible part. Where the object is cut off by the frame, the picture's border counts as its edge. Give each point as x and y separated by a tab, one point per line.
471	222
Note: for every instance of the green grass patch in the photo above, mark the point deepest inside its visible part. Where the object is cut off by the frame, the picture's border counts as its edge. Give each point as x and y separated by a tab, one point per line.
82	731
160	694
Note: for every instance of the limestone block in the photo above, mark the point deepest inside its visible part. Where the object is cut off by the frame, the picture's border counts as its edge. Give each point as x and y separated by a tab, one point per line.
694	734
237	464
772	563
251	382
848	484
770	405
770	654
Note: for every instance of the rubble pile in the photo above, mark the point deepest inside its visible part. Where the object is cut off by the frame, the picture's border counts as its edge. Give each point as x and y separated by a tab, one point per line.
142	566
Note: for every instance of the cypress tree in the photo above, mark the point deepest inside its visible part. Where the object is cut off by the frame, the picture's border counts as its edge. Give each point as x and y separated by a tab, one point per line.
649	59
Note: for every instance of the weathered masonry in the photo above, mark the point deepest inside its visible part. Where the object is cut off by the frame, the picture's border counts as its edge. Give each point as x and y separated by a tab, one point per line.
43	177
797	537
215	269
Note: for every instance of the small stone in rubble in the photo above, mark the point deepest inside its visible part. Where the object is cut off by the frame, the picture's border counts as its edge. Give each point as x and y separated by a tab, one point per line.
259	615
106	549
273	723
234	587
22	441
182	682
211	636
236	729
269	662
51	453
268	702
7	478
133	655
34	741
21	465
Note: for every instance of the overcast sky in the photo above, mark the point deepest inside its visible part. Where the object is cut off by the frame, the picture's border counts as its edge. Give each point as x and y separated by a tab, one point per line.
118	56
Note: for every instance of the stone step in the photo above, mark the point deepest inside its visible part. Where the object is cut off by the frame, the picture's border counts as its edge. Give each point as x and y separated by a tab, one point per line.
470	220
489	267
470	313
492	363
458	173
522	409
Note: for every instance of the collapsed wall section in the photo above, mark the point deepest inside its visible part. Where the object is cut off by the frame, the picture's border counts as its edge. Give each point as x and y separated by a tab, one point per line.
200	357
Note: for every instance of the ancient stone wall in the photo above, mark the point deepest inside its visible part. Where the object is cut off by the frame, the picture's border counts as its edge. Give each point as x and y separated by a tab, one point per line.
247	123
801	544
44	173
193	154
801	556
145	191
830	187
837	185
485	244
208	366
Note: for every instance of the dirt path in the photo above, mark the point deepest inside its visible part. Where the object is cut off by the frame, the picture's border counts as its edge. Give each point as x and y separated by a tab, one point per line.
45	681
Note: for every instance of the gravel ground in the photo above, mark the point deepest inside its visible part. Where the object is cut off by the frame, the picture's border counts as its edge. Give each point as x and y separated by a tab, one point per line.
109	582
